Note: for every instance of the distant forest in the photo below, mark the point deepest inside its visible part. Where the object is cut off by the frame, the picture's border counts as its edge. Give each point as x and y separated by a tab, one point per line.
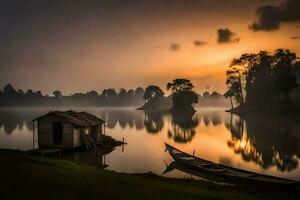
11	97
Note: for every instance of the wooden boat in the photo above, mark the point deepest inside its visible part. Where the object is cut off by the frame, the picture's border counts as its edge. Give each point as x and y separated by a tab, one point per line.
224	171
198	173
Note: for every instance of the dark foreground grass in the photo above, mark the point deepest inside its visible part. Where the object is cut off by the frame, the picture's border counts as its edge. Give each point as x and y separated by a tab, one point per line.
31	177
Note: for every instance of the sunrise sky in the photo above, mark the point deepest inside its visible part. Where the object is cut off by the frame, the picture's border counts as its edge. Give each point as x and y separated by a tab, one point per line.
78	46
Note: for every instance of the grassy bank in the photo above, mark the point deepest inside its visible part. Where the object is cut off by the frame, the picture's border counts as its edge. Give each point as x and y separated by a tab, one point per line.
32	177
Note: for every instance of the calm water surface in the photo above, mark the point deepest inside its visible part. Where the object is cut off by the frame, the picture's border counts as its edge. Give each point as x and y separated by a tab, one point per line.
263	144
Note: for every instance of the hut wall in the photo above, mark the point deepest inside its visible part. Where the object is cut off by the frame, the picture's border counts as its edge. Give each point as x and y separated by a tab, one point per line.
76	137
67	135
45	131
45	136
100	132
71	134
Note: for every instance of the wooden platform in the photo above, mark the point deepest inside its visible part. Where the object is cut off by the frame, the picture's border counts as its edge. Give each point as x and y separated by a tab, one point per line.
49	152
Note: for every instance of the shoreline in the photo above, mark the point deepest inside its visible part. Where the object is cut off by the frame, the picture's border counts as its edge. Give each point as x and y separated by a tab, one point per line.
36	176
282	109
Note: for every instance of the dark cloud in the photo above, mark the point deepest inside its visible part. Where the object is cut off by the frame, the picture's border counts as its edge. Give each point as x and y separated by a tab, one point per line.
295	37
199	43
175	47
271	17
225	35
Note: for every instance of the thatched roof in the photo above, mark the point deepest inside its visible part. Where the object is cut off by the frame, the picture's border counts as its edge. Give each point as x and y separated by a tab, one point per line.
78	118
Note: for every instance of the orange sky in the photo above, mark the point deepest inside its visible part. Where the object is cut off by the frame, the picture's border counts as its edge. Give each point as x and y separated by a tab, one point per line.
86	48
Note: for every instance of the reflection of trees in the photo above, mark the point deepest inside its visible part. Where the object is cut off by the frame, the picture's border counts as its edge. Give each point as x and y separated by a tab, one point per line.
213	118
216	119
153	122
266	141
183	127
235	126
10	122
206	120
11	119
123	117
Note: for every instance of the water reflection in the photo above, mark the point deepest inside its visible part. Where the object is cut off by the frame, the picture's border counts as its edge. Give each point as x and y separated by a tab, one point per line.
11	120
211	118
153	122
183	127
268	141
96	157
124	117
182	130
16	119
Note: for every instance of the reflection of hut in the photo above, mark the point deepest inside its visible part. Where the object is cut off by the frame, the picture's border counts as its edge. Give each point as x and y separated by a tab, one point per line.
68	130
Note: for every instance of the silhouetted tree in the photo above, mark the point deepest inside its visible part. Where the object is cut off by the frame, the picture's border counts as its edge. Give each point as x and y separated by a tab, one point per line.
109	93
259	90
152	92
9	90
242	67
39	94
215	94
205	94
92	93
256	78
29	92
21	93
57	94
139	91
234	85
183	95
230	94
122	92
130	93
283	77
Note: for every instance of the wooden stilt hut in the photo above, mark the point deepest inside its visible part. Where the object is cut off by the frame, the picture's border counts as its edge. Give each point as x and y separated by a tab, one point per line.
67	130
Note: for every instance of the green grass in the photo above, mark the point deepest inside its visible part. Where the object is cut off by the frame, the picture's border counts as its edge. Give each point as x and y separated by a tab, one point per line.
32	177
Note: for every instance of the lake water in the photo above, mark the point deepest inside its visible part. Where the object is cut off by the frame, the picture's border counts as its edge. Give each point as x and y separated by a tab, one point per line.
263	144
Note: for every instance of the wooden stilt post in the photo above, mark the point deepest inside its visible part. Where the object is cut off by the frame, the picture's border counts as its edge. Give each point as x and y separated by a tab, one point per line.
104	128
33	136
102	159
103	133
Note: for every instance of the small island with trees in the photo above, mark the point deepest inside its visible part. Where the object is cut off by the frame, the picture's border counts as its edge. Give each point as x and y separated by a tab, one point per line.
263	82
182	98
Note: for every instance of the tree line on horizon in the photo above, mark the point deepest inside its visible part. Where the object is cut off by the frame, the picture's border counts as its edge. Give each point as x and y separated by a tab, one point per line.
109	97
11	97
259	79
